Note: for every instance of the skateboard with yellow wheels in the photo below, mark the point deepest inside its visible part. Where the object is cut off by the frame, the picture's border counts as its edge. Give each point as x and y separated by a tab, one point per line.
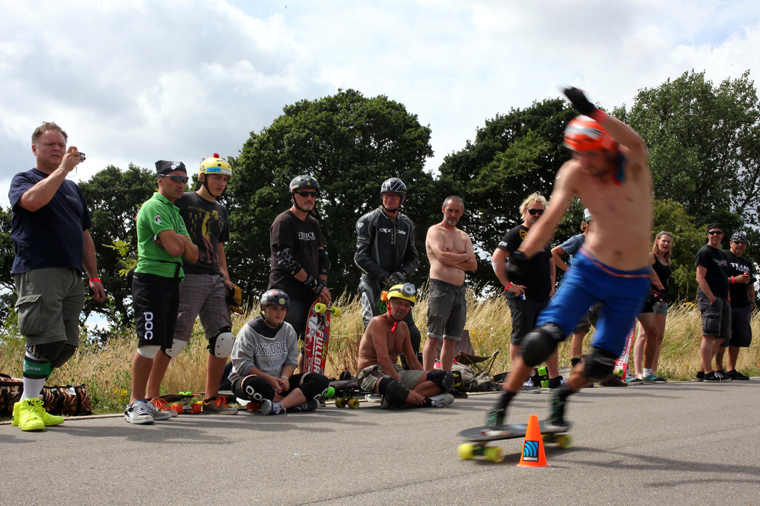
184	402
318	337
478	438
346	393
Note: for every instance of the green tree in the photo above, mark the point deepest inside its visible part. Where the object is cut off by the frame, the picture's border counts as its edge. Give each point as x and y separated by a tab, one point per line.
7	253
114	197
513	155
350	144
703	145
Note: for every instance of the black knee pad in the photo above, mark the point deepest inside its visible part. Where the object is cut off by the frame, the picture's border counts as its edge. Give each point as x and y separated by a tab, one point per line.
314	385
47	352
444	379
599	365
256	389
540	343
393	389
66	353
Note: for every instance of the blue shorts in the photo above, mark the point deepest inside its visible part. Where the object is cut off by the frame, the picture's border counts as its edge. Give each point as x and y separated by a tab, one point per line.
588	281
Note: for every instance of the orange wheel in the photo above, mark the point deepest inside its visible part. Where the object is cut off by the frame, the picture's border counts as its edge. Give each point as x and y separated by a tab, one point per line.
177	408
196	408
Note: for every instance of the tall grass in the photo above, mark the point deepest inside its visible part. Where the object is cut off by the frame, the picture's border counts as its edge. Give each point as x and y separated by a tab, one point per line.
106	370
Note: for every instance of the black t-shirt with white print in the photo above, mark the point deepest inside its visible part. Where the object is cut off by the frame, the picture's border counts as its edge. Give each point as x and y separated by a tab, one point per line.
305	238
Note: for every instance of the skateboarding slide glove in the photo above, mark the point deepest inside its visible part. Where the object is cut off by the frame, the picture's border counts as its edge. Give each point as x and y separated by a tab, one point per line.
582	104
657	297
395	279
234	300
517	267
315	285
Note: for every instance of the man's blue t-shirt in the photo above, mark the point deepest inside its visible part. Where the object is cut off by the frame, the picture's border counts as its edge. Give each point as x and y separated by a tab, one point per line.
572	246
52	235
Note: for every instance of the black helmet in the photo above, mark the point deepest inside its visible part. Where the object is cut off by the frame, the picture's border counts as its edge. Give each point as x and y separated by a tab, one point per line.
275	297
303	182
393	185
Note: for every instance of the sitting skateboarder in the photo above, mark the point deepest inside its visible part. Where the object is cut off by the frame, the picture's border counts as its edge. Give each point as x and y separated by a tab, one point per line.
385	338
264	358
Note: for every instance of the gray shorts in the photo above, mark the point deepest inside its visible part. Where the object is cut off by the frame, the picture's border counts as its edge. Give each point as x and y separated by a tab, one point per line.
369	376
49	303
716	317
741	331
204	295
589	319
447	310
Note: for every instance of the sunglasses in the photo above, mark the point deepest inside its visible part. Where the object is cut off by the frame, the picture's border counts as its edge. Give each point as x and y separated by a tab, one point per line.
177	179
306	194
715	232
534	212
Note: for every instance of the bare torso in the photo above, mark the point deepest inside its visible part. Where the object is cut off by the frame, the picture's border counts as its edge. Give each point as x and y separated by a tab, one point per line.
622	214
441	241
378	342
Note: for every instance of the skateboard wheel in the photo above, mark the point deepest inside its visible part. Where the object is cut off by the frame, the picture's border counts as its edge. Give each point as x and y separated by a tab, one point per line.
196	408
353	403
252	407
564	441
177	408
340	403
465	451
493	454
319	307
547	438
336	311
330	393
542	371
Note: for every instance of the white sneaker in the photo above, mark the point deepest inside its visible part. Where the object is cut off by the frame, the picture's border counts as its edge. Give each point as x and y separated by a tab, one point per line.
442	400
528	387
138	413
156	413
374	398
271	408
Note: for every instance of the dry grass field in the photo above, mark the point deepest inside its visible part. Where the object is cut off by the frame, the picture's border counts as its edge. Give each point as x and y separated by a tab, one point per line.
106	370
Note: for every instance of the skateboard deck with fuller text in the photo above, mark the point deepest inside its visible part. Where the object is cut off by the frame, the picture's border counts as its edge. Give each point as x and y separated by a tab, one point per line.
478	438
621	364
318	337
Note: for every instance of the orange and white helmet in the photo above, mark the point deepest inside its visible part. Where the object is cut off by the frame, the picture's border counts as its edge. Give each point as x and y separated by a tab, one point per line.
585	134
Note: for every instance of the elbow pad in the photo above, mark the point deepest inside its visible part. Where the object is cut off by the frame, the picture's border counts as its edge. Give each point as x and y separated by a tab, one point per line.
324	262
285	259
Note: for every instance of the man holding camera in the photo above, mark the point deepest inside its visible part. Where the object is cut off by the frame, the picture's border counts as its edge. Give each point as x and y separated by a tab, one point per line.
50	232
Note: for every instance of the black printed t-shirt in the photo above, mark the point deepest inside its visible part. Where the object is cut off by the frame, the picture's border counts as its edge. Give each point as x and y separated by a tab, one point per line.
207	225
739	291
305	239
716	263
539	283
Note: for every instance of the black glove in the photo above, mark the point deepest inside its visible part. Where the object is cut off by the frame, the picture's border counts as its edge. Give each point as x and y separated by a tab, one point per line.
395	278
579	101
517	267
657	297
315	285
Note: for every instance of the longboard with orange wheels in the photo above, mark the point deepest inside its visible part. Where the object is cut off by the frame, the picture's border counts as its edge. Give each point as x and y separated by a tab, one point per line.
184	402
478	438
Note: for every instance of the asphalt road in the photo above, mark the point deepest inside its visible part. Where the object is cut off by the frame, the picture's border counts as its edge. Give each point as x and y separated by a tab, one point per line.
680	443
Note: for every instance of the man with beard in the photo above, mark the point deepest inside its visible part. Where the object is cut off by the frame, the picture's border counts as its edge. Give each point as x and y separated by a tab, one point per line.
450	252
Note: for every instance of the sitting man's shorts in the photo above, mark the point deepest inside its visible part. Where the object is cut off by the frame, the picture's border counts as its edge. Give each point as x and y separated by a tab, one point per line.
369	376
447	310
621	293
716	318
741	332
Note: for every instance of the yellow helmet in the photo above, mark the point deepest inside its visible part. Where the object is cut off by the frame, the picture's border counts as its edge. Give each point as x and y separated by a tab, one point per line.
405	291
215	165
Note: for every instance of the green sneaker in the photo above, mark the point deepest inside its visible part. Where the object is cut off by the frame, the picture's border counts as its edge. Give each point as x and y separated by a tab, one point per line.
25	416
557	415
46	417
495	418
653	378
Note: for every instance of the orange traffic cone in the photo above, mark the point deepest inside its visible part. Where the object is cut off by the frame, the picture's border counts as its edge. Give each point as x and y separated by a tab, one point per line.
533	454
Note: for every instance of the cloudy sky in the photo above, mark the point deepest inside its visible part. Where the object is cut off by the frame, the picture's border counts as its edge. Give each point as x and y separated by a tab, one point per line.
137	81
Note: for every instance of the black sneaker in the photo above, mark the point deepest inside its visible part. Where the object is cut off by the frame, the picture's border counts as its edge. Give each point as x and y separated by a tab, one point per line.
714	377
736	375
554	383
305	407
700	376
723	375
495	418
557	415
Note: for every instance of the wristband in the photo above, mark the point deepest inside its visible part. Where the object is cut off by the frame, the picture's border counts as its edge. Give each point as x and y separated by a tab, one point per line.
507	287
94	279
732	280
599	115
